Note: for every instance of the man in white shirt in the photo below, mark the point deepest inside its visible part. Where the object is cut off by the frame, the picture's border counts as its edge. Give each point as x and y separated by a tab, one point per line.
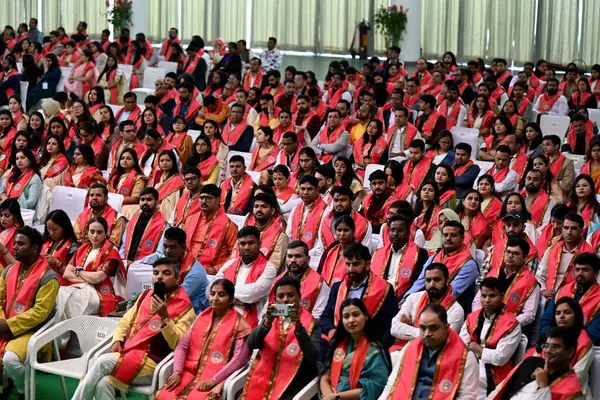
401	134
252	273
552	102
448	107
493	334
504	176
437	352
271	58
337	80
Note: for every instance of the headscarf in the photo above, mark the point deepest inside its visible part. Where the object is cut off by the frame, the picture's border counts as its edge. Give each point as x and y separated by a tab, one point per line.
437	240
221	42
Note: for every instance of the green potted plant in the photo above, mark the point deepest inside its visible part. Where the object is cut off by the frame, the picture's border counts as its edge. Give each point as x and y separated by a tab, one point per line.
120	14
391	23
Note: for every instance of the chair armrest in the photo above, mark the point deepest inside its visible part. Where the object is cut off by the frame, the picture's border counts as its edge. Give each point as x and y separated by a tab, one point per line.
309	391
159	368
165	372
235	382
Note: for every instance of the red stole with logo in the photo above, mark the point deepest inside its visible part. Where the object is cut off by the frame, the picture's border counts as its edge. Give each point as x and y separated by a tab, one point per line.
409	134
133	116
590	301
334	265
15	189
492	210
415	175
308	230
454	261
240	198
109	214
381	260
487	118
328	237
429	125
192	109
257	269
257	80
270	235
146	325
138	147
566	387
105	289
356	365
265	162
554	258
310	287
57	167
449	370
538	207
452	113
87	177
556	165
373	296
173	184
282	158
363	150
231	137
218	225
150	237
430	227
547	102
498	175
520	289
572	136
278	361
7	238
334	98
503	324
328	138
183	210
127	187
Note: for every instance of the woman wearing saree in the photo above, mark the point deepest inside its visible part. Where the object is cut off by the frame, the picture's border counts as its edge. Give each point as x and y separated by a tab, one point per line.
205	161
10	221
179	139
53	168
211	350
356	366
168	182
426	210
471	217
264	156
23	183
370	148
333	262
128	180
60	243
83	174
113	82
83	75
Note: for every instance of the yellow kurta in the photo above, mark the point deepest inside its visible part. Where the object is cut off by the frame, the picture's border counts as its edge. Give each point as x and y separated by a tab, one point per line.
23	324
172	332
357	131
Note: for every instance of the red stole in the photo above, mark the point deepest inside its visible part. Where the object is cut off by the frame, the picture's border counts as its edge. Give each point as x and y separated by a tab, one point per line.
231	137
86	179
377	217
498	175
328	237
373	296
257	269
363	150
415	175
547	102
133	116
167	47
594	240
545	240
587	170
5	76
328	138
278	361
105	290
8	140
584	345
429	125
538	207
265	162
454	261
87	86
109	214
356	365
146	325
497	255
305	118
519	164
61	253
257	80
520	289
15	189
310	287
447	196
173	184
423	80
192	109
522	105
240	198
7	237
410	132
139	149
285	194
279	131
452	113
554	258
283	159
207	166
182	210
459	170
218	225
380	265
492	210
487	118
572	136
411	100
127	187
308	230
334	98
97	145
578	100
503	324
191	64
270	235
334	266
430	227
449	370
566	387
150	237
590	301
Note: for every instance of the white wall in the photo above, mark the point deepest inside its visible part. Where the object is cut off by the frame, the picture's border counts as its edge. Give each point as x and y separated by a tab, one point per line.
411	44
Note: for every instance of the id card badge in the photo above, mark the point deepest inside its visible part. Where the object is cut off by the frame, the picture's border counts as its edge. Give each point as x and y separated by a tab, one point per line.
101	334
45	85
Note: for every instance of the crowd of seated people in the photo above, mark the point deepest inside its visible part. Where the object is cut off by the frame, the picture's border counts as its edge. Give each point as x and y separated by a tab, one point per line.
338	231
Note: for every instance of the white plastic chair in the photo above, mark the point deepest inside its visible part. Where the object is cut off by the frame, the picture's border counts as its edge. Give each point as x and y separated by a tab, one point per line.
151	75
520	352
115	200
578	161
115	108
554	125
70	200
255	176
594	114
27	216
235	383
368	171
466	135
24	88
309	391
247	160
64	75
193	134
139	278
92	332
484	166
26	364
237	219
167	65
127	71
595	374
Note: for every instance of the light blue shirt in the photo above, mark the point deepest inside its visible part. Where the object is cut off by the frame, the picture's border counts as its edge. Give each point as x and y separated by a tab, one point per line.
195	284
357	292
29	198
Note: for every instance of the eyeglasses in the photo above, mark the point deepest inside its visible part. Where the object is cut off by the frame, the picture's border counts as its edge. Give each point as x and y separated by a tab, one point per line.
555	347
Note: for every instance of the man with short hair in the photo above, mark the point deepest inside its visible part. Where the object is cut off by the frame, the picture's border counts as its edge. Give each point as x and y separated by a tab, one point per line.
251	273
551	102
87	134
287	100
305	219
538	203
128	140
188	204
436	352
288	346
585	289
401	134
493	334
316	103
562	168
524	105
53	46
522	295
552	232
274	87
186	105
361	283
28	291
505	178
130	110
167	46
376	204
212	235
430	123
148	332
305	117
332	140
314	290
237	134
452	107
578	138
465	170
325	174
144	232
98	207
389	109
412	95
241	97
518	160
338	90
503	75
196	65
548	377
400	262
418	167
255	76
271	58
462	268
238	189
556	268
300	78
289	155
213	108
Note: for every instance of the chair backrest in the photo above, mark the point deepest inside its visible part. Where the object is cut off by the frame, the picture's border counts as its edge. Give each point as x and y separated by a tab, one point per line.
193	134
64	74
255	176
466	135
594	115
19	66
24	87
578	161
151	75
520	352
169	66
595	374
70	200
139	278
115	108
368	171
484	166
247	160
115	200
27	216
554	125
237	219
127	71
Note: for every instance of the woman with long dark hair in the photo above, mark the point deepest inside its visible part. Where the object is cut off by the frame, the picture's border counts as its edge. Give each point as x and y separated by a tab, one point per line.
79	114
471	217
345	175
95	100
15	106
21	140
511	111
333	263
83	76
60	242
444	179
307	165
281	185
219	149
395	176
36	131
205	161
583	200
491	203
112	81
83	173
513	202
480	116
426	210
168	182
23	182
127	178
501	129
442	150
532	140
264	156
10	221
149	121
592	163
355	354
179	139
135	57
53	168
370	148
